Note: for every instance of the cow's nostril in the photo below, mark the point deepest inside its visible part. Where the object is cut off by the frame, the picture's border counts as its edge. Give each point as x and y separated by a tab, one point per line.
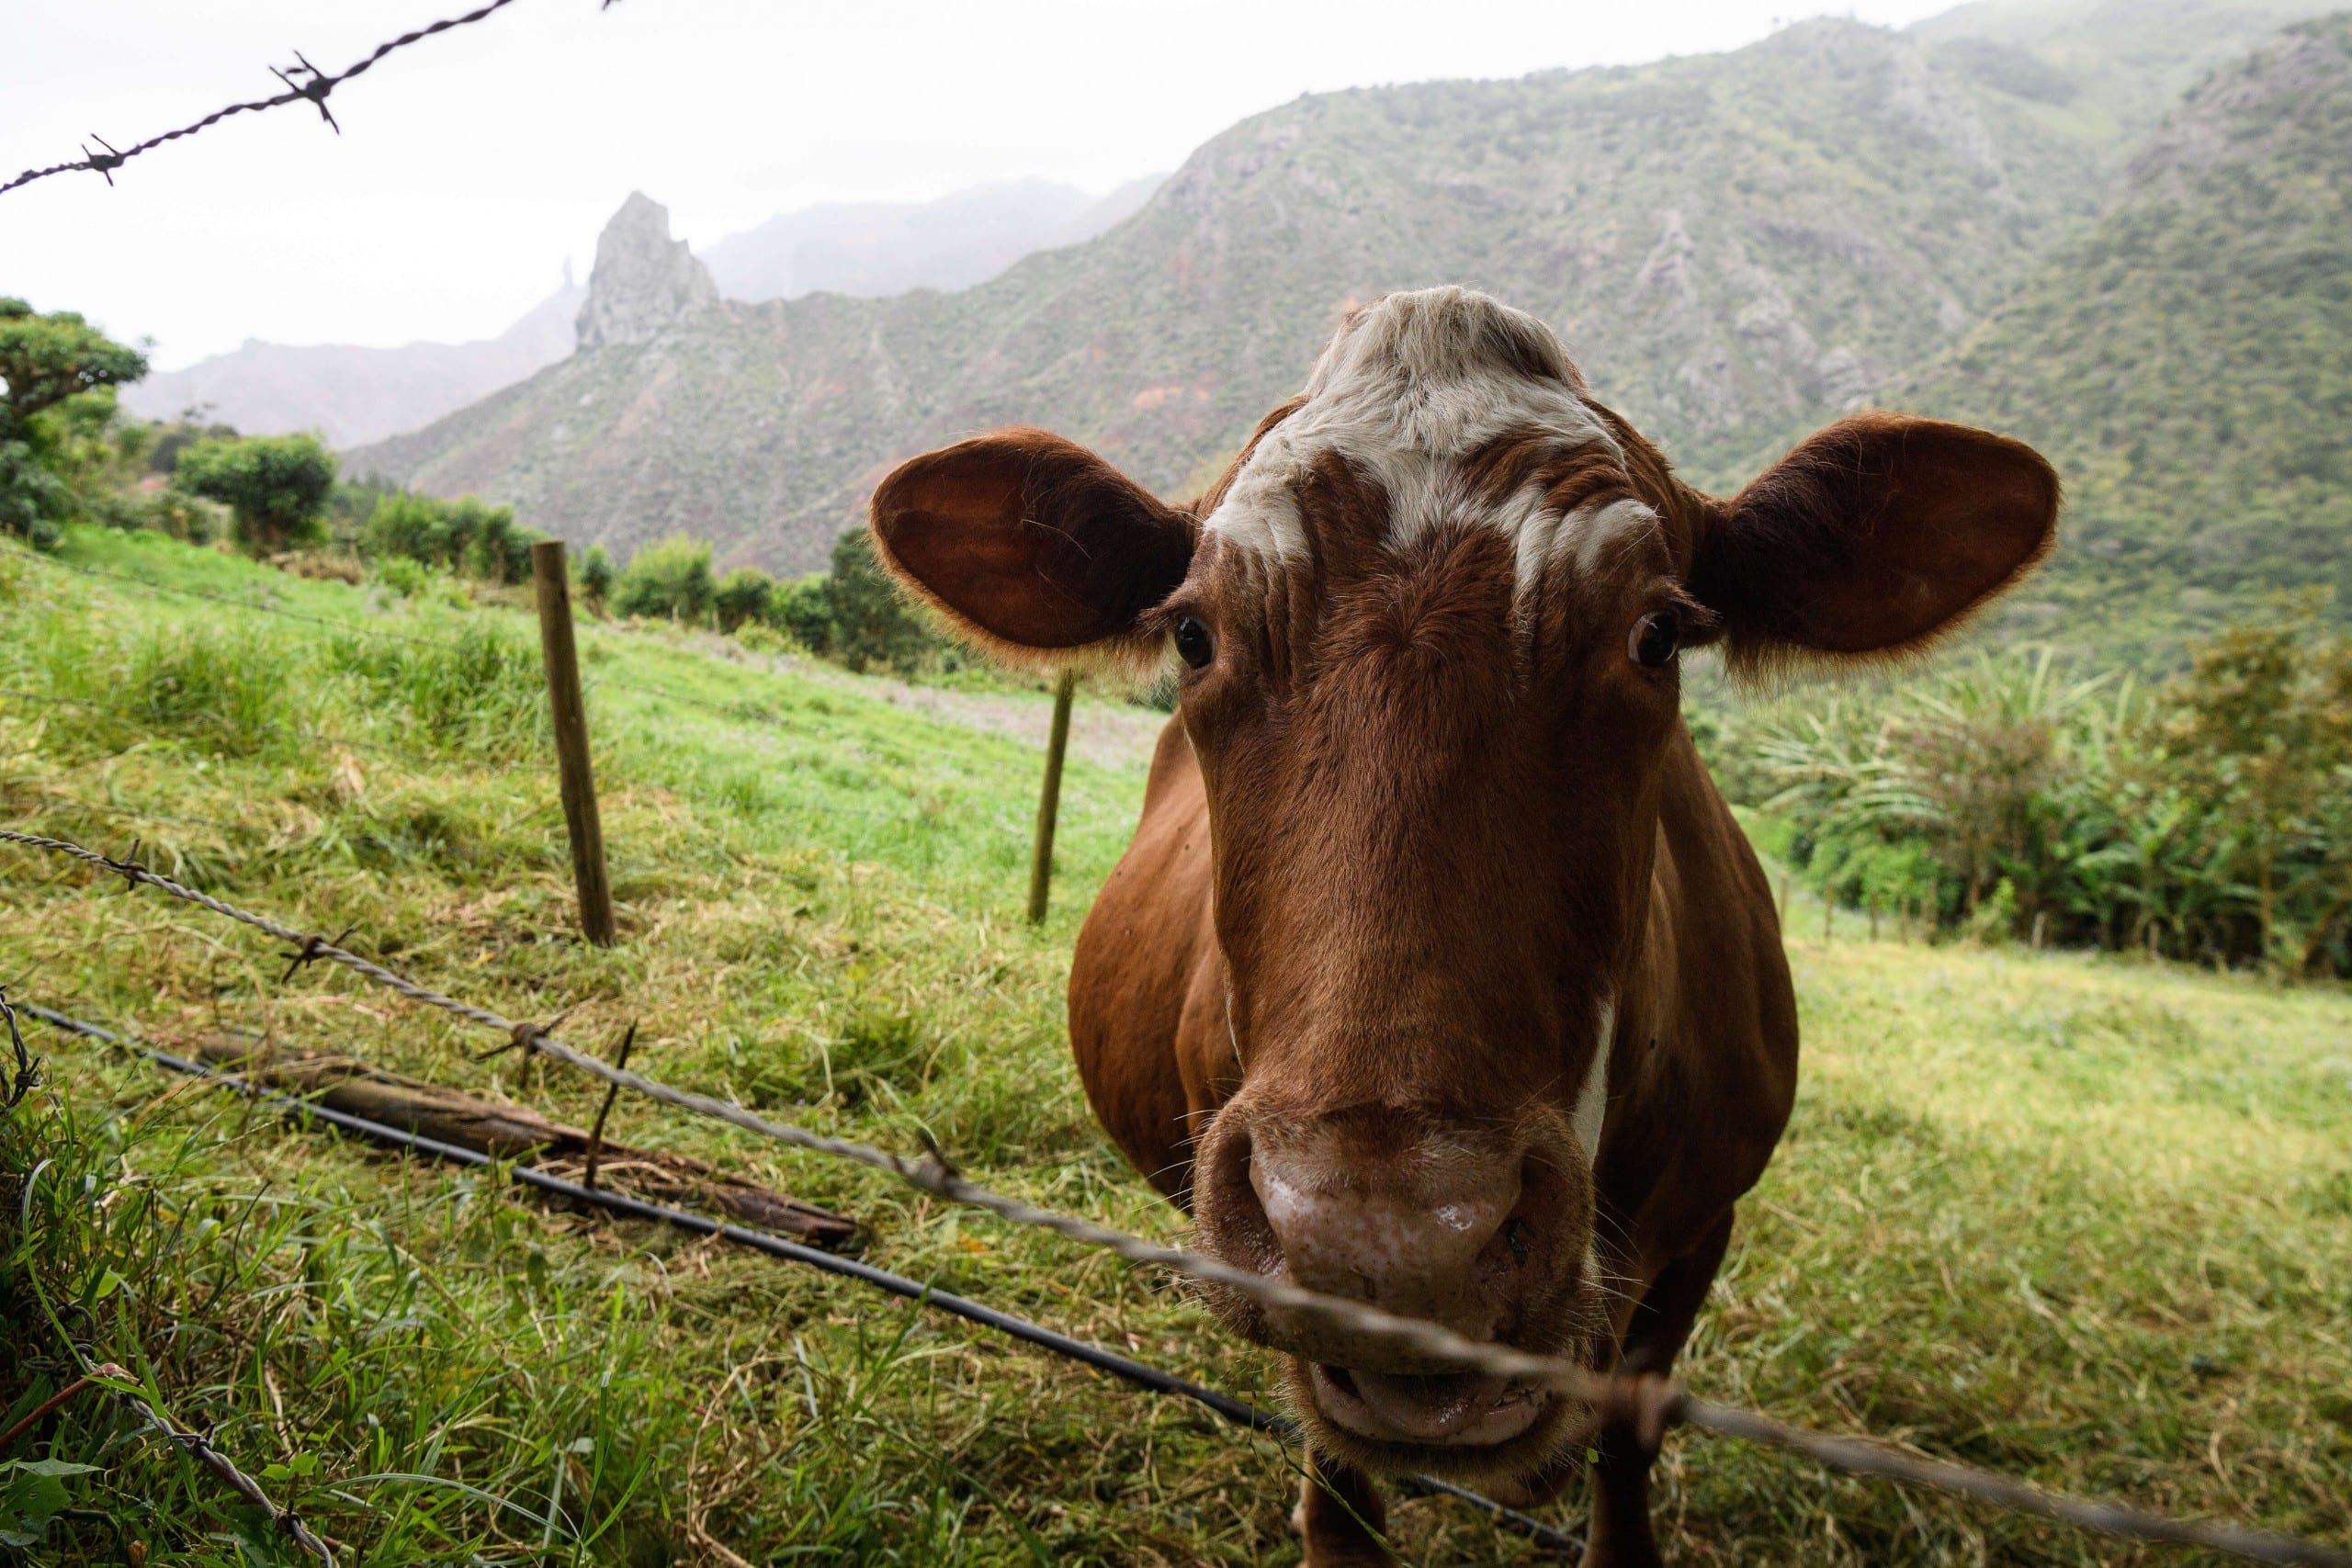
1244	1233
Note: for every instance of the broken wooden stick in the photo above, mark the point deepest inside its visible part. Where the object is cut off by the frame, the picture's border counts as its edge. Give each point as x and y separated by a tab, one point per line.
351	1085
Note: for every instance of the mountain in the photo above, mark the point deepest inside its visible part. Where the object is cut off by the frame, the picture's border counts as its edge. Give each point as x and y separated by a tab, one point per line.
876	248
2188	361
354	395
1734	245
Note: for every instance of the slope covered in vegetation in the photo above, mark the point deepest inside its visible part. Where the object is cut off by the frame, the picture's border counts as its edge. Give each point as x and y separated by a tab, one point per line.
1732	243
2188	363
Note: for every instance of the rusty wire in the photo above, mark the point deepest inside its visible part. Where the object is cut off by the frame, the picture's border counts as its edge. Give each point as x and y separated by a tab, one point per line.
304	83
1649	1404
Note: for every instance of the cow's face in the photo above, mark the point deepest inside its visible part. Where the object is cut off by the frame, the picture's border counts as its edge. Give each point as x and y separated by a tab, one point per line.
1427	631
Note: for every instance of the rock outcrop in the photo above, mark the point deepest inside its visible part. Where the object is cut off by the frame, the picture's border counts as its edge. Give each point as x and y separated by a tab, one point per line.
645	282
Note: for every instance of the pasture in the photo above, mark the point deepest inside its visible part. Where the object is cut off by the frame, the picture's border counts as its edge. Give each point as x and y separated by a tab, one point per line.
2088	1220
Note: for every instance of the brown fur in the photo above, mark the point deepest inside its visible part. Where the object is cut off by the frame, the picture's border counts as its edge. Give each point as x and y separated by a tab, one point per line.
1414	820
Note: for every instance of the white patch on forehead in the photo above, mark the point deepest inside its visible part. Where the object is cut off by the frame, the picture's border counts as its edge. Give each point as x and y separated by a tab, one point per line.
1585	537
1592	1100
1405	392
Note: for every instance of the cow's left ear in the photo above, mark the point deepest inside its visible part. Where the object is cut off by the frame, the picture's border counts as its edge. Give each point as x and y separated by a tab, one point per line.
1873	536
1031	545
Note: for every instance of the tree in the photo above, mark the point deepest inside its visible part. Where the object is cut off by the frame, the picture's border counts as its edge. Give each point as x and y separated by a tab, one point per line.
275	485
57	380
671	579
596	577
871	623
46	359
743	594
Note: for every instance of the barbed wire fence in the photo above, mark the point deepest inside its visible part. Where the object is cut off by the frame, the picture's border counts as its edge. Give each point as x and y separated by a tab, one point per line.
303	84
1651	1404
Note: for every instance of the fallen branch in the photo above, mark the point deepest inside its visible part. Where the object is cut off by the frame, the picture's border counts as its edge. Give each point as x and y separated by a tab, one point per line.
345	1084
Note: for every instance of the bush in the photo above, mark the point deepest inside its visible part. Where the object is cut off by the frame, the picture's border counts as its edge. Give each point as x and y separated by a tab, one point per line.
2213	820
803	611
402	576
461	536
596	577
273	485
743	594
870	622
670	578
34	502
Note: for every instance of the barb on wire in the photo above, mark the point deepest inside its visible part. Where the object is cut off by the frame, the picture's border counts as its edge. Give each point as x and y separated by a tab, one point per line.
304	81
1649	1403
27	1070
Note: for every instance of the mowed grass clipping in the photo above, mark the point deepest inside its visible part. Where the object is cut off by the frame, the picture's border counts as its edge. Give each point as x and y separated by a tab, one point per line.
2089	1222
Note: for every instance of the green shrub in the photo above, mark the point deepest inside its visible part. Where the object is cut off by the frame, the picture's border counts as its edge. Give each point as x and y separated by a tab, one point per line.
743	594
670	578
596	577
273	485
870	622
402	575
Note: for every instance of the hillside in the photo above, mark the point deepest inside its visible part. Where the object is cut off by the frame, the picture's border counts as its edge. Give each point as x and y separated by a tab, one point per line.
355	395
2188	361
1730	242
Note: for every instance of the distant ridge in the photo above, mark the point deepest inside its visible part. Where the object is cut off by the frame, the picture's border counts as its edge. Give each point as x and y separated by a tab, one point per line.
354	395
876	248
2188	361
1735	247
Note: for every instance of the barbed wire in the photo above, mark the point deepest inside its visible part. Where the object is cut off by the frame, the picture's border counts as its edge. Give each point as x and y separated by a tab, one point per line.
923	1293
1650	1403
304	83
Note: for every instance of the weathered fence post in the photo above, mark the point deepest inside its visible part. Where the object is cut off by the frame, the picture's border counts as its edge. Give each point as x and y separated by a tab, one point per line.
1873	901
1049	800
1783	910
571	716
2041	924
1828	908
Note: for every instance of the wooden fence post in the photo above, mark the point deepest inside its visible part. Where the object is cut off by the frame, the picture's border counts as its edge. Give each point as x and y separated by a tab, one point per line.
1874	902
1783	910
1049	800
578	781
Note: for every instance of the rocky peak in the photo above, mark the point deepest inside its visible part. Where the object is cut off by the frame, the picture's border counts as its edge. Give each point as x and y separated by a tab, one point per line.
644	280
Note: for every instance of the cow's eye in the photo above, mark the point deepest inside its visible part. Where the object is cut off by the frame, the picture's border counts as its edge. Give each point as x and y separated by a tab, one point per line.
1654	639
1194	645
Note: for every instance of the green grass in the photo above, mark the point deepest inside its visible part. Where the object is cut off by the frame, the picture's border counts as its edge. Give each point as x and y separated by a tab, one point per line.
2088	1221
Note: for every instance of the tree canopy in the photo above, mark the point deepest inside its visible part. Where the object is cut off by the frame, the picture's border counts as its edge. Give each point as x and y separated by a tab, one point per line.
275	485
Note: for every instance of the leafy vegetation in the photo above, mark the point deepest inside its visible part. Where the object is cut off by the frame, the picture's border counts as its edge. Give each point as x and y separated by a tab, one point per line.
275	486
57	378
2210	819
2088	1219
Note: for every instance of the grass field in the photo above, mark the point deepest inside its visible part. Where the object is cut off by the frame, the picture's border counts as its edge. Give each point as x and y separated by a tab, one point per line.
2086	1221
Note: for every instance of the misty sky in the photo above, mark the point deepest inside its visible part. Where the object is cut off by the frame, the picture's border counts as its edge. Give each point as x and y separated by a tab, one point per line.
472	165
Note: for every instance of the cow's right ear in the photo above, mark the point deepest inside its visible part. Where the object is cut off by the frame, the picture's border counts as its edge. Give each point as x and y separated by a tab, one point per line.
1029	544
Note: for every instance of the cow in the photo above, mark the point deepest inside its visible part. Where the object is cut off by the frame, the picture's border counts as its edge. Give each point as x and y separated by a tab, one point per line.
1438	974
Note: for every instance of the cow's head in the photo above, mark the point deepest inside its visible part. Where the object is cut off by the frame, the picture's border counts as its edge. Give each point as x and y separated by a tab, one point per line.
1427	629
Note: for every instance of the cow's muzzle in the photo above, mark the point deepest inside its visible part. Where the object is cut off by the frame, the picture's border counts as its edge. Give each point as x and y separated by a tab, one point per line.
1485	1233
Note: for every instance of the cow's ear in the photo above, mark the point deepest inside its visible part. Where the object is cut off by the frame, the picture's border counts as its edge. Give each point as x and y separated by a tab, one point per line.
1029	544
1873	536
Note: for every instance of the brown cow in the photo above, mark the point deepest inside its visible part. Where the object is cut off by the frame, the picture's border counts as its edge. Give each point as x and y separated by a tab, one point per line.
1438	974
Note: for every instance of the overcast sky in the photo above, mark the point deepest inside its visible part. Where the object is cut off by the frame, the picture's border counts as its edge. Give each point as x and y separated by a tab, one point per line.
472	165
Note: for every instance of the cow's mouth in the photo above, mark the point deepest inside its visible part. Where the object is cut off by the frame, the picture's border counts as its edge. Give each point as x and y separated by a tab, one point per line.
1455	1410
